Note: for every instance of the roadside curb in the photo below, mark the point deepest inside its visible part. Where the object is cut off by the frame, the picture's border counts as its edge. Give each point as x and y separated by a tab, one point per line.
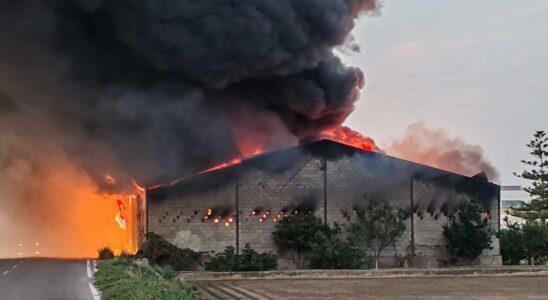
90	270
357	274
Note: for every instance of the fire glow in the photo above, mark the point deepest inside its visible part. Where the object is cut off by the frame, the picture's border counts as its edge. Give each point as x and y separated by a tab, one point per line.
342	134
79	218
347	136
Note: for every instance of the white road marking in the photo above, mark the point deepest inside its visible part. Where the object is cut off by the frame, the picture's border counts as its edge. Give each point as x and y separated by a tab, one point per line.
88	269
13	267
94	292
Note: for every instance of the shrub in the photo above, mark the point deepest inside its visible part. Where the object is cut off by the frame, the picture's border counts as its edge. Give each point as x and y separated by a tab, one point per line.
330	251
159	251
512	244
120	279
377	226
470	234
248	260
535	242
251	260
225	261
297	234
105	253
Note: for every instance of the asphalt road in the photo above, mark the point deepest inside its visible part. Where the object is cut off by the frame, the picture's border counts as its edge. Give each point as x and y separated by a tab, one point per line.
44	279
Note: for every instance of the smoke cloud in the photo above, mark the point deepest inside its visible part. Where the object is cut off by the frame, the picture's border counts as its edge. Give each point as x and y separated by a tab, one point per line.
437	148
150	90
156	90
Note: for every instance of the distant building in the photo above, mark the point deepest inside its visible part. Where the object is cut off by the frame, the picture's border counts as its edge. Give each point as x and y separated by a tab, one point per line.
511	196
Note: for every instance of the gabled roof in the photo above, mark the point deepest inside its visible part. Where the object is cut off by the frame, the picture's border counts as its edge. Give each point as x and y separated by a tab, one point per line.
280	160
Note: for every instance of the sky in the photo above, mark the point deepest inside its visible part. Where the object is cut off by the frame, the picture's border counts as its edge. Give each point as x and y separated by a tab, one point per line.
478	69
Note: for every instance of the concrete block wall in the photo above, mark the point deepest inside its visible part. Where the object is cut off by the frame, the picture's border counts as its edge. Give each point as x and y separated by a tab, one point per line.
272	192
179	220
349	185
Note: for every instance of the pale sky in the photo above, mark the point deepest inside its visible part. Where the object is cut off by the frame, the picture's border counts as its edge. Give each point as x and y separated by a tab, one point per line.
478	69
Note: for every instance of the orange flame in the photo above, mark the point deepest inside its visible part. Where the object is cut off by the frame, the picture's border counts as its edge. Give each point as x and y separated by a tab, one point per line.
235	161
347	136
342	134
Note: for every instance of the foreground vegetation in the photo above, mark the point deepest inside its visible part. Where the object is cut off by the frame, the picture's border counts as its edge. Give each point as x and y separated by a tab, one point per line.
524	242
527	241
161	252
121	279
248	260
469	233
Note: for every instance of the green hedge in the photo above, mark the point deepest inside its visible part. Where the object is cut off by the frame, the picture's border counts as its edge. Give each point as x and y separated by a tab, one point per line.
248	260
160	252
121	279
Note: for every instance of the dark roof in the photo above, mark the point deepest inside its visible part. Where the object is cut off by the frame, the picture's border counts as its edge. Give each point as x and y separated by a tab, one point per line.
278	161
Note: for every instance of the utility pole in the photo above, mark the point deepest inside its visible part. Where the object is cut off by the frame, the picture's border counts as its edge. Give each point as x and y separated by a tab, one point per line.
324	169
412	215
237	198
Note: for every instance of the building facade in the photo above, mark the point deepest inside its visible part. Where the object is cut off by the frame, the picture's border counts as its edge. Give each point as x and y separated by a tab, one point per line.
241	204
511	196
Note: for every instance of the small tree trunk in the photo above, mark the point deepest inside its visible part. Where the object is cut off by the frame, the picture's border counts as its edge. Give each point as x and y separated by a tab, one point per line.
296	260
377	255
532	260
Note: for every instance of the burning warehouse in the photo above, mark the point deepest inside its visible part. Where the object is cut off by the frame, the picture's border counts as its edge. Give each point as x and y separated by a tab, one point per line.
97	95
241	203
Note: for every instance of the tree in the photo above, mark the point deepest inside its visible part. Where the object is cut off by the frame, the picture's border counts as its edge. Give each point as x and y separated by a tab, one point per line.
377	226
298	234
538	174
470	233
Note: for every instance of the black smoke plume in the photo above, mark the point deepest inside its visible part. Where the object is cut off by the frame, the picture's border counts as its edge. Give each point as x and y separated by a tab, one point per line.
154	90
95	93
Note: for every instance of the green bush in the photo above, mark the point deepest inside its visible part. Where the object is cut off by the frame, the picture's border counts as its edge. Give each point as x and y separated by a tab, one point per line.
298	234
330	251
159	251
535	235
248	260
105	253
470	234
120	279
524	242
377	227
512	245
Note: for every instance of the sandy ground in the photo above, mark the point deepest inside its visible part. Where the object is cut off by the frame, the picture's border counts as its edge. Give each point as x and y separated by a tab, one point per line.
508	287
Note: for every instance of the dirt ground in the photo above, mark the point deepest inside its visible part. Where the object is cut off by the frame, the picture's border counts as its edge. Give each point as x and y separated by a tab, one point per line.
446	288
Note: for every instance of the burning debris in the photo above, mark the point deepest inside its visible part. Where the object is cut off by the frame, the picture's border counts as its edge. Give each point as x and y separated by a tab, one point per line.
347	136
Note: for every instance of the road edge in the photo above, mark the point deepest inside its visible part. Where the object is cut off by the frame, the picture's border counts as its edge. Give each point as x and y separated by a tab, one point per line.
90	270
